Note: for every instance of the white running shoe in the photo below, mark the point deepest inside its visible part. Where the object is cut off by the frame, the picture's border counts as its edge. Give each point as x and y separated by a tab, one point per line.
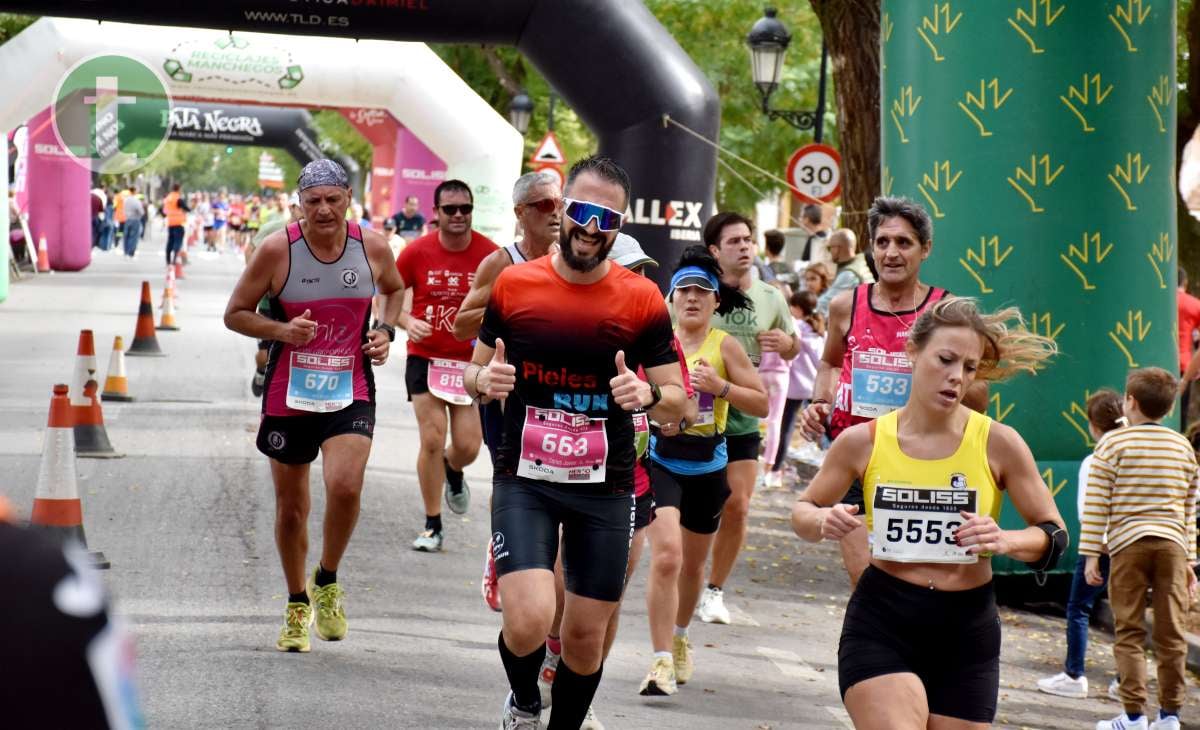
1062	685
712	607
660	680
546	677
513	719
773	480
1170	722
590	722
428	542
1114	690
1122	722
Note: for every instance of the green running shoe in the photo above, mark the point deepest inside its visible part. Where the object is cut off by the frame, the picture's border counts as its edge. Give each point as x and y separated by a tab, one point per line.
294	635
327	604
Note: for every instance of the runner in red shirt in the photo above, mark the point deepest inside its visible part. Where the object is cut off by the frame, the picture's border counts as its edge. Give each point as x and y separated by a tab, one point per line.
1189	321
439	267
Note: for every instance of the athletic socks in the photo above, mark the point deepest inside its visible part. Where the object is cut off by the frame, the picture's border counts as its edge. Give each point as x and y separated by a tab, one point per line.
523	674
663	655
453	477
433	523
324	577
554	644
301	597
712	587
681	631
571	696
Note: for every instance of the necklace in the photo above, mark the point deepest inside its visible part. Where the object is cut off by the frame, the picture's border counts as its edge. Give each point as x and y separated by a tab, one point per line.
911	309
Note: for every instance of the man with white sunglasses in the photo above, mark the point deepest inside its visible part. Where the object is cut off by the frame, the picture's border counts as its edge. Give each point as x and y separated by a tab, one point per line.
561	342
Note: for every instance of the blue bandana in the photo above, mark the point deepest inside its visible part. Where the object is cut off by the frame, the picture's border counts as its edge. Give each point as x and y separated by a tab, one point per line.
322	172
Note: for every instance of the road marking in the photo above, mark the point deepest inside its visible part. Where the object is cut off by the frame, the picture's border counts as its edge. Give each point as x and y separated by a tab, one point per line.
740	617
842	716
791	664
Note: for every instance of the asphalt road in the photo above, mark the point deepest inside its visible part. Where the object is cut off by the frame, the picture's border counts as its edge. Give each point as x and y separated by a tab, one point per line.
186	519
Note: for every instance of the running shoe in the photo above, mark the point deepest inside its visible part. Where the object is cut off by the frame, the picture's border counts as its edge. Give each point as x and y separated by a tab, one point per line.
712	607
773	480
294	635
490	586
428	542
591	722
458	493
1062	685
327	608
513	719
1114	690
546	677
681	652
1122	722
256	385
1165	722
660	680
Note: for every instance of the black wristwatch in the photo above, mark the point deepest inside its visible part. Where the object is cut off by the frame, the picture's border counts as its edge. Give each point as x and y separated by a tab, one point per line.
655	396
385	327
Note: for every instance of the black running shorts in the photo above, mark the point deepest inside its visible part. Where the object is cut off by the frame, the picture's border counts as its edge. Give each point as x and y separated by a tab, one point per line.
416	375
949	639
597	528
644	510
743	446
298	439
699	498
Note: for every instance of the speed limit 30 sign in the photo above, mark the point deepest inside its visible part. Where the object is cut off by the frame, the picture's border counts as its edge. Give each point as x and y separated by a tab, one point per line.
816	171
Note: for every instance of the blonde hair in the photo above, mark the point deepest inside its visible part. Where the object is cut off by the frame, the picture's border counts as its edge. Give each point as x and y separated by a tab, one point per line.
1008	346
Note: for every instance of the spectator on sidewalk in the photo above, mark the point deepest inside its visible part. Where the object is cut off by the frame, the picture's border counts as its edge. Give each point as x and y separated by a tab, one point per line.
135	216
776	268
1188	308
1104	414
852	268
802	373
1142	492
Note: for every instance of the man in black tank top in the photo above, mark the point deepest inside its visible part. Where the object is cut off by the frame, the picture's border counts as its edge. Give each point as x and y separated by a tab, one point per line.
537	201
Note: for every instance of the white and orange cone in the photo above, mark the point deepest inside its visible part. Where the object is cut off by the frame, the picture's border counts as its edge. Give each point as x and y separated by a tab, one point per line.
167	321
116	385
169	289
56	504
91	439
43	256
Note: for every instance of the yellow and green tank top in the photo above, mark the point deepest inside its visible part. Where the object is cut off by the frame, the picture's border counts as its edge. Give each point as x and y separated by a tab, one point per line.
917	483
714	412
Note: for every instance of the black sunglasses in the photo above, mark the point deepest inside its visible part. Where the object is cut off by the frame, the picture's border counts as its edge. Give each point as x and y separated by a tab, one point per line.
464	208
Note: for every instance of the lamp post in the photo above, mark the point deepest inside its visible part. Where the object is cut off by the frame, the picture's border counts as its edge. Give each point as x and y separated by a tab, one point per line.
520	111
768	40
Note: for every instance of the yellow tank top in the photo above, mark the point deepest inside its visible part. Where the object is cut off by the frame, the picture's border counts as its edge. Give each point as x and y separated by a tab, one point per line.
920	498
713	411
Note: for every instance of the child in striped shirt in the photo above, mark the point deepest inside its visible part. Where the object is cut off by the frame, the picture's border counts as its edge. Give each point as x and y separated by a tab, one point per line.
1142	490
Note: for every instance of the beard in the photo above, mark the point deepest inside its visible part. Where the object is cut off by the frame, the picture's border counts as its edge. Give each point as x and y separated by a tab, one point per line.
574	261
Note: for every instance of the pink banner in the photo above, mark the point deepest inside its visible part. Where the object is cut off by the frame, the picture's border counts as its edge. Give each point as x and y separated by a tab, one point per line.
380	128
59	198
418	172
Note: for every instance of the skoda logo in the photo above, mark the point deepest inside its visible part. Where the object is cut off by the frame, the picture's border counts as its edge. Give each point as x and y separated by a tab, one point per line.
276	440
349	278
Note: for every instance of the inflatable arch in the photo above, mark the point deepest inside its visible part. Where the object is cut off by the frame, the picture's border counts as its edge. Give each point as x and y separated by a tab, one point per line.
613	62
406	79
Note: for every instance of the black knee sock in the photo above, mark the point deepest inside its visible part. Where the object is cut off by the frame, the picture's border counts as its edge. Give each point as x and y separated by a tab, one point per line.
324	577
523	674
454	477
571	696
433	523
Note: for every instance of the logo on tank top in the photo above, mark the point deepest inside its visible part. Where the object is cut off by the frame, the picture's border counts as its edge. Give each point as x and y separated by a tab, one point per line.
958	481
349	278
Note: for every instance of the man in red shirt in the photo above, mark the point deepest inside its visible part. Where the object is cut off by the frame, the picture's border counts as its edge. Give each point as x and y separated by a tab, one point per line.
439	267
1189	321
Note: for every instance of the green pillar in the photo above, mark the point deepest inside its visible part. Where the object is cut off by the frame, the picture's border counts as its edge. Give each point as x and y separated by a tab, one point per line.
1040	134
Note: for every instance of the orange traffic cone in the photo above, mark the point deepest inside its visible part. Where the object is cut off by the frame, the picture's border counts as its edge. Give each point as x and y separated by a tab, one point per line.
179	267
56	504
43	261
145	342
91	439
169	289
116	385
167	322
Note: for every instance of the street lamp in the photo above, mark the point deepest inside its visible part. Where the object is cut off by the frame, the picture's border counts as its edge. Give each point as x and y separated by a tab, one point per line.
768	40
520	111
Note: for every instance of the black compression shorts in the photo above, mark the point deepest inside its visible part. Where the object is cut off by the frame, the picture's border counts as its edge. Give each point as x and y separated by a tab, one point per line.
699	498
949	639
491	418
742	446
644	511
597	528
416	375
298	439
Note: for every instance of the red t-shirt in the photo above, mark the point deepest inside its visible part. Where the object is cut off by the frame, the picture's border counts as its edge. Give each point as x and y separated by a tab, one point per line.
440	279
1189	321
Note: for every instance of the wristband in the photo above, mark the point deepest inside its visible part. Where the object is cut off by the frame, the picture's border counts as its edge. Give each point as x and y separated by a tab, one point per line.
725	391
475	382
815	401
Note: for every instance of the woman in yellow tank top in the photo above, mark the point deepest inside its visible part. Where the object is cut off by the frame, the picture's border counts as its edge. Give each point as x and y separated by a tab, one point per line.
687	470
920	645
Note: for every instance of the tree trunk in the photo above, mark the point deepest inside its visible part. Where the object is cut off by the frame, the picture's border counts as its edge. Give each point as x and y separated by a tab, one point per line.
1189	229
851	29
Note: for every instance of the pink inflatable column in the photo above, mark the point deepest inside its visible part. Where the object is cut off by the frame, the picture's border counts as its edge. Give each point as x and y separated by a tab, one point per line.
59	198
418	172
379	127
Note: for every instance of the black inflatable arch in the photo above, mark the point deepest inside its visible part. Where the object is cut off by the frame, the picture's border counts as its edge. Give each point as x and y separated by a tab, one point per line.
612	61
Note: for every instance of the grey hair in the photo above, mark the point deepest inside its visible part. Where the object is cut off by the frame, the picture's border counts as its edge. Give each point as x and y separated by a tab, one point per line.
529	181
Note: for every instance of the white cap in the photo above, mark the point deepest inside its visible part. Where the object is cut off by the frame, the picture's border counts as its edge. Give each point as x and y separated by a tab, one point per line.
627	252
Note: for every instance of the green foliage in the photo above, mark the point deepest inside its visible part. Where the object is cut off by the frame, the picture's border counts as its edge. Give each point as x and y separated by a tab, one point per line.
12	23
336	132
208	167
